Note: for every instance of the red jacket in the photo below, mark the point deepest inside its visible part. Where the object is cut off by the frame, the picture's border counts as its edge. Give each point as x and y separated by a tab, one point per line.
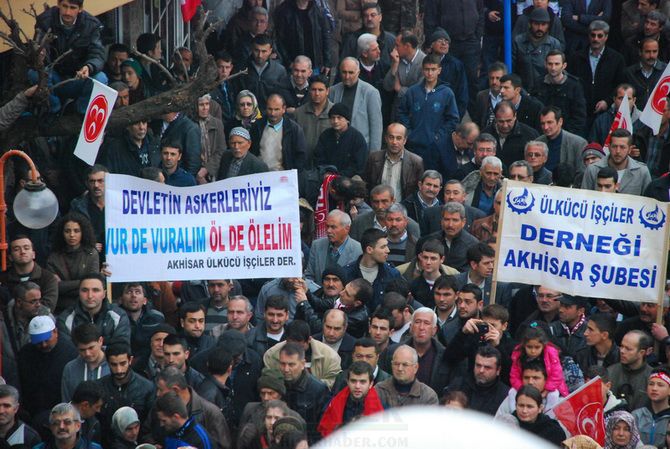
332	417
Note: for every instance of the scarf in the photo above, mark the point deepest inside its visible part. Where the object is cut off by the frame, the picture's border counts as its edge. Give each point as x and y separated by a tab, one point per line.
614	419
332	417
204	140
323	207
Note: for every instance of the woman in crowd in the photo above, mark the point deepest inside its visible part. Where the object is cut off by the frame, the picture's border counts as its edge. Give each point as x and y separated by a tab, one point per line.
529	413
131	72
125	428
259	435
212	139
73	255
621	432
246	112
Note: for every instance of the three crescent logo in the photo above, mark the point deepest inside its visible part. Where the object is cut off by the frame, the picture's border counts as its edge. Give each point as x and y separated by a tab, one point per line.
95	118
589	420
660	95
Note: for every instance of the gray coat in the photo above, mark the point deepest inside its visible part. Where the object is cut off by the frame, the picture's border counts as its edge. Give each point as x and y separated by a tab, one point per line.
318	255
571	149
635	180
419	394
11	110
366	115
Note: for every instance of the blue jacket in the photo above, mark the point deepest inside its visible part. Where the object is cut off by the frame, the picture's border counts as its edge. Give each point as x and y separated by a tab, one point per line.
453	74
190	434
386	272
430	117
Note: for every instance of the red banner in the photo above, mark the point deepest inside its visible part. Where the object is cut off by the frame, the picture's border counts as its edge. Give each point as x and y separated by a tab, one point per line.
582	412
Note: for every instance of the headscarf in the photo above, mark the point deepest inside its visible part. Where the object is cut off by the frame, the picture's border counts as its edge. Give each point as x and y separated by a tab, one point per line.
122	418
612	421
255	112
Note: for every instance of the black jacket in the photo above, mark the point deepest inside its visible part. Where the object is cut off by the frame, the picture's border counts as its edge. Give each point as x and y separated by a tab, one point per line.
659	189
245	374
183	130
587	357
609	74
138	393
219	395
41	374
308	396
121	156
462	19
528	111
292	35
545	428
385	40
569	97
84	41
357	318
569	344
482	398
293	146
514	143
347	151
346	347
455	255
257	339
263	84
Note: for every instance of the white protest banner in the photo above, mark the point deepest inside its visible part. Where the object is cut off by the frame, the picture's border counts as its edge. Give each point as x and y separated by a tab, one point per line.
100	106
238	228
583	242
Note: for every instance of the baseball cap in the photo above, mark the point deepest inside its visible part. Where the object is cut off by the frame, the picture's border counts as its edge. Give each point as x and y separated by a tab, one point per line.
40	328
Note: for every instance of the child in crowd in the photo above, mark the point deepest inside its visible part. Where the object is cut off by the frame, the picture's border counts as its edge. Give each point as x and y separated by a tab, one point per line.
535	345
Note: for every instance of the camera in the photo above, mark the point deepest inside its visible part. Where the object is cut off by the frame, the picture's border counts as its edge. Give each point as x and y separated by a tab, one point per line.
482	330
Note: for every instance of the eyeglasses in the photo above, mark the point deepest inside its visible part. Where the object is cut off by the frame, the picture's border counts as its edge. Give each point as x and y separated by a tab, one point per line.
58	422
543	296
598	35
534	154
33	302
246	104
517	177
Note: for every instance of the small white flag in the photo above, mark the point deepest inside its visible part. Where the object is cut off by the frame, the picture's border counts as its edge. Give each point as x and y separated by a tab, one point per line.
622	120
653	111
99	109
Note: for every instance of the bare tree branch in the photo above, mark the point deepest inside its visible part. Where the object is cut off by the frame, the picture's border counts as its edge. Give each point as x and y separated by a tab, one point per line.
151	60
59	59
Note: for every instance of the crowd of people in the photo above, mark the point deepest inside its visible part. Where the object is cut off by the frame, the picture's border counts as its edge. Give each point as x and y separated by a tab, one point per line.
401	122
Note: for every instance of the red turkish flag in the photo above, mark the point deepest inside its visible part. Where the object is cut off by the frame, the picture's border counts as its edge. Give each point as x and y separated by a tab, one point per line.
188	9
582	412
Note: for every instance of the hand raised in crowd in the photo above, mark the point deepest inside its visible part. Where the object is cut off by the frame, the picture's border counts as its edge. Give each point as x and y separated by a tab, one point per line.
659	331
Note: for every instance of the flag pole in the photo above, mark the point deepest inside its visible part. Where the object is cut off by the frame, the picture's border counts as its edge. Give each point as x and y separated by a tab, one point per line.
494	278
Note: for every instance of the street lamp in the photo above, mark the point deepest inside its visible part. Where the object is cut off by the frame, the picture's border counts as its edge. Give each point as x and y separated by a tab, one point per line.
35	206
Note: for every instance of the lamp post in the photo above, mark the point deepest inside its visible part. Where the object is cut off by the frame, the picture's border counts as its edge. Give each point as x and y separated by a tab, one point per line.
35	206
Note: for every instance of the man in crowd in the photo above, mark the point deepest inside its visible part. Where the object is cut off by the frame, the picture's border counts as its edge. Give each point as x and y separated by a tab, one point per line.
362	99
93	307
91	363
564	146
629	376
635	176
239	161
65	424
395	166
24	268
404	389
312	116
